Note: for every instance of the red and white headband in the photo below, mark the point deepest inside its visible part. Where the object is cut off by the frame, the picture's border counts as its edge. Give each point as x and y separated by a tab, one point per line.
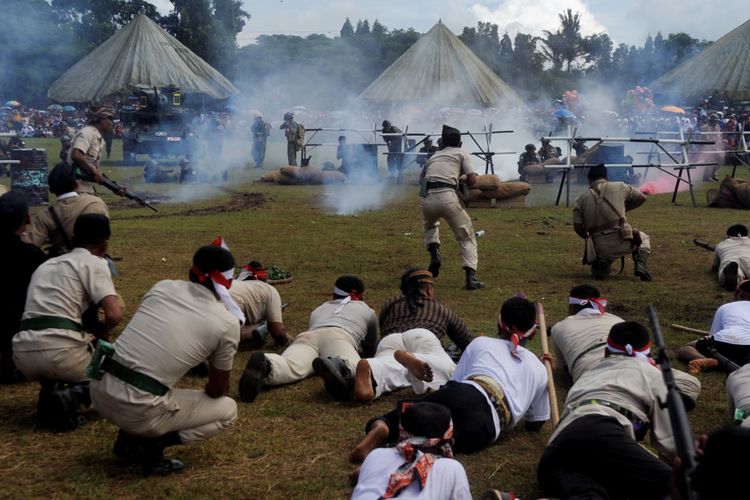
598	304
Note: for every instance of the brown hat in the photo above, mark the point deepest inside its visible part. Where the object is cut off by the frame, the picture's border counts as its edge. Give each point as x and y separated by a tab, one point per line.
99	112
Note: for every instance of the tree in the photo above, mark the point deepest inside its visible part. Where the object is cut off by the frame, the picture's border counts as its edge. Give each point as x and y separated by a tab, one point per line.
552	48
228	21
189	23
597	51
347	31
363	28
378	30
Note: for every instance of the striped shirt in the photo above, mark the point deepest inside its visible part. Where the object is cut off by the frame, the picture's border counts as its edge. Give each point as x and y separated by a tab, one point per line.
397	317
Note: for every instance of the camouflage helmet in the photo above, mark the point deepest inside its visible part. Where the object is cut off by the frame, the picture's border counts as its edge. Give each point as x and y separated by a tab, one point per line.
288	115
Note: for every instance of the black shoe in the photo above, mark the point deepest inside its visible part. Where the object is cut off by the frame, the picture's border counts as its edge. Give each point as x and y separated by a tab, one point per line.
435	260
258	367
731	276
472	282
128	448
162	467
642	272
57	408
337	377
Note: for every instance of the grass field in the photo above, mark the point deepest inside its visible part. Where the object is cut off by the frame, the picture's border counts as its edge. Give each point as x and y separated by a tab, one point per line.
293	442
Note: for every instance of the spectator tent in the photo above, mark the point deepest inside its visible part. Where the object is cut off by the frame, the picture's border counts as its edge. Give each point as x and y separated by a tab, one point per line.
140	54
440	69
722	69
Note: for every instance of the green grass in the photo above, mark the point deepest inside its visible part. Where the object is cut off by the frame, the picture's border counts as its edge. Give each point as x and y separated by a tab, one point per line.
293	441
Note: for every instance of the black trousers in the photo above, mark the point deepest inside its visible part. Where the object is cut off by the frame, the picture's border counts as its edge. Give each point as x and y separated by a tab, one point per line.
594	458
473	427
740	354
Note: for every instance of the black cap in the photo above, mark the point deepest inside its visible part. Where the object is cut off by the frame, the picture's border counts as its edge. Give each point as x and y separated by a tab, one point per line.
386	123
62	179
630	332
597	172
91	229
451	137
213	258
13	211
348	283
425	419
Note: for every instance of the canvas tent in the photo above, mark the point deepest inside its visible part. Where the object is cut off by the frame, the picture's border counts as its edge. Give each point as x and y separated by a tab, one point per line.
722	69
140	54
439	68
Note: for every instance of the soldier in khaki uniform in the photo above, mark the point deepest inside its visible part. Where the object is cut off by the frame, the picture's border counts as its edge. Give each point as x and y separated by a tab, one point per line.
595	450
439	185
54	226
261	304
712	132
87	145
291	132
339	331
579	340
178	325
599	218
55	336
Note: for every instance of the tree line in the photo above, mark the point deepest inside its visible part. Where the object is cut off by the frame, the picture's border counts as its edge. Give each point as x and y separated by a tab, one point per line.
43	38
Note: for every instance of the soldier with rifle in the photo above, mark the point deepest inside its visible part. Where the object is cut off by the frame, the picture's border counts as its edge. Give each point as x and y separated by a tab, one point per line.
86	146
595	449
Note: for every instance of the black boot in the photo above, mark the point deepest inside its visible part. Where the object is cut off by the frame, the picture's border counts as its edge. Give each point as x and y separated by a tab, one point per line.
435	260
731	276
152	460
57	407
257	369
337	377
81	394
472	282
640	258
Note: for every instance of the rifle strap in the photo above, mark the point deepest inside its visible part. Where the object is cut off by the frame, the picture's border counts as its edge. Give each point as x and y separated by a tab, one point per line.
60	229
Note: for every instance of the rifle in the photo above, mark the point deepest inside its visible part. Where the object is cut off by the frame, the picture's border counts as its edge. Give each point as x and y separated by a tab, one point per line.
115	188
683	435
725	362
704	245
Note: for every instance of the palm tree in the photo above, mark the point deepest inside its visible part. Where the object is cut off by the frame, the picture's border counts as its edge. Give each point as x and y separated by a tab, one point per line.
572	41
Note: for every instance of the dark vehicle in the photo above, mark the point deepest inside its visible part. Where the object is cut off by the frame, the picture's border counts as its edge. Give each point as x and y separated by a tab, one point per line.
157	126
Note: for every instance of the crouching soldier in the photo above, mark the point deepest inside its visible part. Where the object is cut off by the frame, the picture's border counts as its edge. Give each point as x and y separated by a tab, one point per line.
179	324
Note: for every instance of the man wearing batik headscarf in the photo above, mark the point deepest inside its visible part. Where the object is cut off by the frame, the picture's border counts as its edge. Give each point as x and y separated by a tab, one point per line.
579	339
339	331
410	353
594	452
497	383
440	201
179	324
421	465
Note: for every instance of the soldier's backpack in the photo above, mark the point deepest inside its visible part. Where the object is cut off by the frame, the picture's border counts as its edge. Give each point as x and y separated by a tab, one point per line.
300	140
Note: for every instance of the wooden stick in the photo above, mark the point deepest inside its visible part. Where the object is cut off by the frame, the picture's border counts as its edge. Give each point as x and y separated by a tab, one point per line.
689	330
555	413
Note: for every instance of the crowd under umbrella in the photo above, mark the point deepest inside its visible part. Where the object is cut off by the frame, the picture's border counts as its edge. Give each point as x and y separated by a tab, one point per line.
54	107
673	109
12	104
68	108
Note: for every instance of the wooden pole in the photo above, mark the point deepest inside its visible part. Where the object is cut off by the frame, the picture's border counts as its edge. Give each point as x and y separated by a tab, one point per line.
554	412
689	330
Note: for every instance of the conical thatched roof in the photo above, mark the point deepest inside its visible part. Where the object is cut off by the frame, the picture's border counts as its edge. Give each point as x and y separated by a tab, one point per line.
142	54
439	68
722	69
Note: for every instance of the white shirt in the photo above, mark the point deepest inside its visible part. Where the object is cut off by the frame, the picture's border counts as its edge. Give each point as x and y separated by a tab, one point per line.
738	392
731	323
733	249
522	377
446	481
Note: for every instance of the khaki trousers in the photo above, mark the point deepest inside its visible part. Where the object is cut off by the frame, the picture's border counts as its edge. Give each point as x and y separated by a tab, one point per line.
444	203
295	363
291	152
390	375
193	414
610	245
61	365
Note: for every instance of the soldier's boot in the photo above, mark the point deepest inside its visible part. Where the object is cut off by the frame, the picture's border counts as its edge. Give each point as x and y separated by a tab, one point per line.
257	369
152	458
337	376
731	276
472	282
600	268
57	407
435	260
640	258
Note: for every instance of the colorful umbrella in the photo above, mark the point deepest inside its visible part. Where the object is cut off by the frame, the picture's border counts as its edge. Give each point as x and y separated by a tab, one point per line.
68	108
673	109
54	107
12	104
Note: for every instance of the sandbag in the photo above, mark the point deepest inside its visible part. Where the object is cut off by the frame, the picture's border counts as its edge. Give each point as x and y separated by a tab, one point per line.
474	194
487	182
311	175
333	177
286	180
507	190
533	169
733	193
271	177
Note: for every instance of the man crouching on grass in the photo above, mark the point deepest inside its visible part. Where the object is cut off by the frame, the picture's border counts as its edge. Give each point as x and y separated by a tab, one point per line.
179	325
496	384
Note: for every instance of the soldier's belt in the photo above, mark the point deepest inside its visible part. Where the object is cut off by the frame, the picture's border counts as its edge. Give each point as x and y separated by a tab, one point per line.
440	185
639	426
45	322
136	379
497	398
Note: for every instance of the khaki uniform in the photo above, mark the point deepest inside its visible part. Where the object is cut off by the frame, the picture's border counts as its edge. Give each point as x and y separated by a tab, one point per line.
738	392
62	287
68	207
91	142
446	166
579	341
178	326
718	145
292	144
331	334
258	300
602	222
733	249
630	383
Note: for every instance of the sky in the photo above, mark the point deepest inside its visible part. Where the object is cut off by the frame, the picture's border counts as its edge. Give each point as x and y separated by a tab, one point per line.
626	21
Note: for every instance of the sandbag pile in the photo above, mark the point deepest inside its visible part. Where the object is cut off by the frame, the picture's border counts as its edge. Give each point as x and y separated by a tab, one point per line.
489	188
293	176
733	193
